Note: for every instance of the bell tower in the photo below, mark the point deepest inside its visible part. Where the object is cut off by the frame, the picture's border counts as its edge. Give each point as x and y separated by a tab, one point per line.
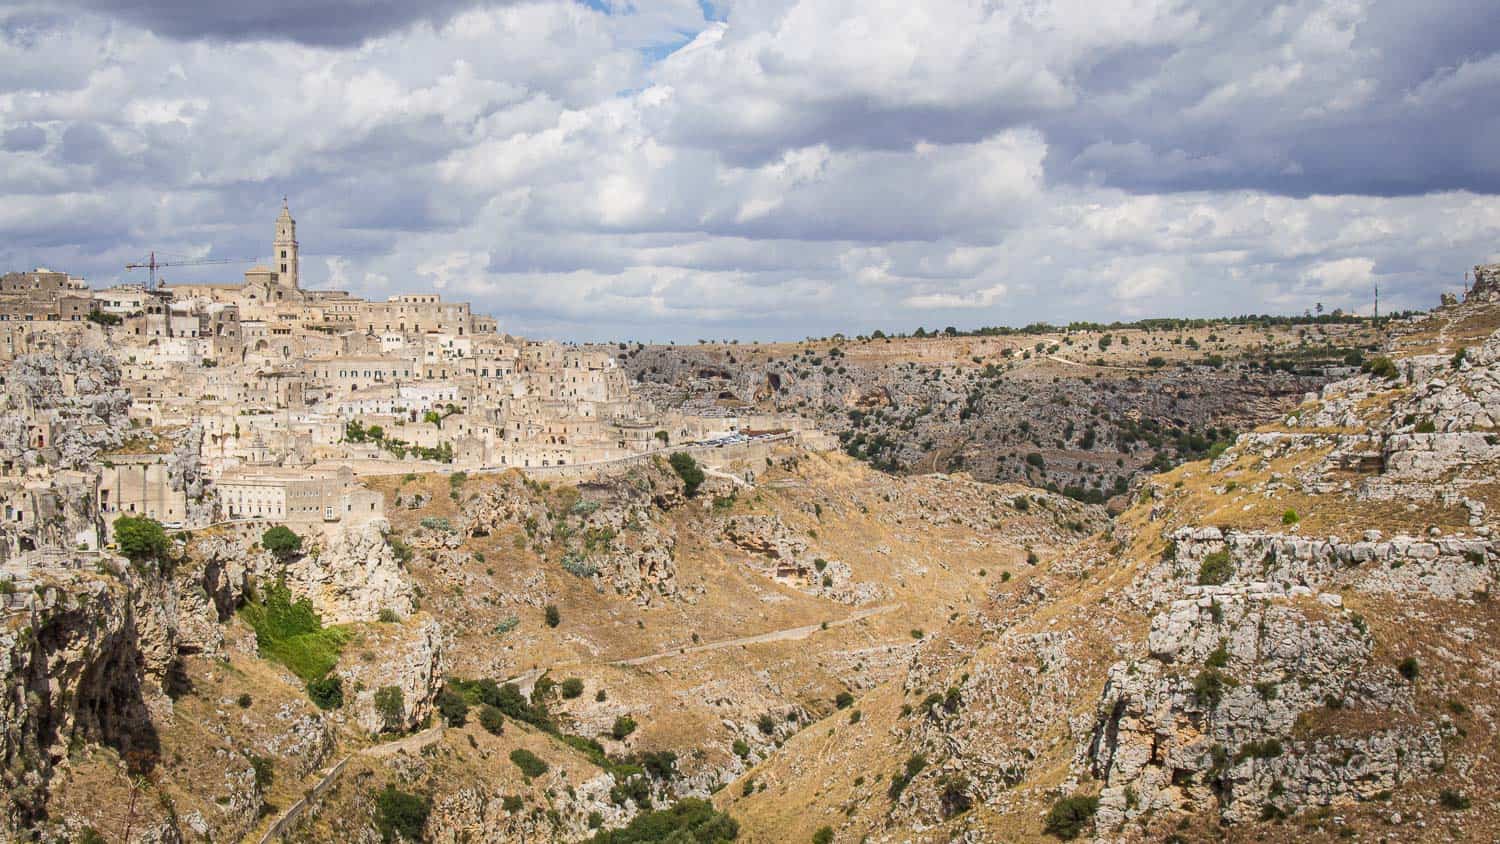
284	254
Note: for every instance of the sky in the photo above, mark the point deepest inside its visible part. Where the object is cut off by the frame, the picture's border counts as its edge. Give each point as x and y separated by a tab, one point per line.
767	169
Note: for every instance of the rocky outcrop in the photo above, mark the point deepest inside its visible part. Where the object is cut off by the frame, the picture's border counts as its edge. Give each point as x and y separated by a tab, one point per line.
408	657
352	577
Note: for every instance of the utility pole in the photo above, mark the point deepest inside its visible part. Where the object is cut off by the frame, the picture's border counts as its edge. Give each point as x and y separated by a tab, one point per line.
1377	301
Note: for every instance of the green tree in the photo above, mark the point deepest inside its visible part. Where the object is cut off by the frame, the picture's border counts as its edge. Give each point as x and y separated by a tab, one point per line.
1069	816
281	541
571	687
327	693
553	617
492	720
452	706
399	814
689	471
624	726
141	538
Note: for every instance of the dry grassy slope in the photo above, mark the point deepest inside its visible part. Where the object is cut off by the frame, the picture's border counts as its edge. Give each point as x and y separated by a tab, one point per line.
931	545
836	773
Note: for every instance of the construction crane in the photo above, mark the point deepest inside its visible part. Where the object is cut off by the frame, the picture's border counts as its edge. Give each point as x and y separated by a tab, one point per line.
152	264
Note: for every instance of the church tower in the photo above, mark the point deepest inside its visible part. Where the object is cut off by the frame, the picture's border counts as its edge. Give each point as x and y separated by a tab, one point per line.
285	248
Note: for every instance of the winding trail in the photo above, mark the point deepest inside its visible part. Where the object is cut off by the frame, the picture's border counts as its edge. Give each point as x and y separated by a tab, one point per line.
785	635
413	742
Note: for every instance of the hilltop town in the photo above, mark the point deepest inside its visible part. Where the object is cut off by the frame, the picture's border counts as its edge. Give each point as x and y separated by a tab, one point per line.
265	400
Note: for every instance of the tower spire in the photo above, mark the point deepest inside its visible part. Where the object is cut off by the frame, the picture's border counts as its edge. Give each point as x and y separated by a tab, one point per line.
284	248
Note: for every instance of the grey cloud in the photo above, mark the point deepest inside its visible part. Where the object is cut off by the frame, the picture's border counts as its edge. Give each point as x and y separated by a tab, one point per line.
24	138
327	23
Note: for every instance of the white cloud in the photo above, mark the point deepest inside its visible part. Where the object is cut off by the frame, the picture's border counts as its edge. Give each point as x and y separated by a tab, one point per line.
807	166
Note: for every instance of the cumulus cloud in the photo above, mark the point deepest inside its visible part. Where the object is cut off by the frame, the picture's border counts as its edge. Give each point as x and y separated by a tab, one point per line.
768	168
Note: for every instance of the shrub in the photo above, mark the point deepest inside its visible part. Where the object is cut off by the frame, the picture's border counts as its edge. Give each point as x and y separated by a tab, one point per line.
1381	367
1409	668
1220	656
660	764
265	772
741	749
452	706
398	813
292	633
243	700
1215	569
492	720
390	706
1426	426
623	726
766	723
687	820
512	803
1454	800
824	835
1069	816
141	538
1208	687
844	700
281	541
553	617
571	687
327	693
389	616
1290	517
530	764
689	471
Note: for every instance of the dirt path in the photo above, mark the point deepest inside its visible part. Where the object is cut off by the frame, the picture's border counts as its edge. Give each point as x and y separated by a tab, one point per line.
786	635
1061	359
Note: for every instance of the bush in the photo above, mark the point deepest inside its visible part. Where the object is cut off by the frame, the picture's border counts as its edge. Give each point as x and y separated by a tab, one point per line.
1426	426
492	720
624	726
689	471
398	813
824	835
1208	688
281	541
1454	800
688	820
553	617
844	700
1215	569
1069	816
243	700
530	764
388	616
452	706
327	693
1409	668
1381	367
141	538
390	705
571	688
1290	517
